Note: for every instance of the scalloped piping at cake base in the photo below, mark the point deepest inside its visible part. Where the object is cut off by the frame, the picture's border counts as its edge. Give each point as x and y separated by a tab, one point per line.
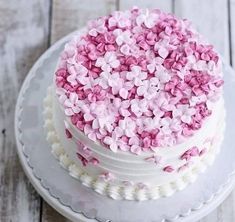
116	191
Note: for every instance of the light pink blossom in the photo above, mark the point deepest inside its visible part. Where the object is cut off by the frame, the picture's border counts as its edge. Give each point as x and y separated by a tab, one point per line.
185	113
136	75
147	18
108	62
72	104
149	89
122	37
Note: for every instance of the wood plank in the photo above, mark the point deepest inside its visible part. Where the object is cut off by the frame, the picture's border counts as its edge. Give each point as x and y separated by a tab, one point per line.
165	5
69	15
232	31
210	17
24	36
50	215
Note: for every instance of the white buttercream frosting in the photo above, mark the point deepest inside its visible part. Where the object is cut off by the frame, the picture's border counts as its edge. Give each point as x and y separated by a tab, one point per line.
129	171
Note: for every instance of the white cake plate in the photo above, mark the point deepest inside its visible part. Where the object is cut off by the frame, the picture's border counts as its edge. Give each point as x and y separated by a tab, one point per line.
79	203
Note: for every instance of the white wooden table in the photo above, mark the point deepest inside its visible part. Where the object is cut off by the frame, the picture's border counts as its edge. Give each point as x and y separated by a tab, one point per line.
28	28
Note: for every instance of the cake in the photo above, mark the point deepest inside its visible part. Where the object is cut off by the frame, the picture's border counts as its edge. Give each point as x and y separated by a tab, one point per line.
136	109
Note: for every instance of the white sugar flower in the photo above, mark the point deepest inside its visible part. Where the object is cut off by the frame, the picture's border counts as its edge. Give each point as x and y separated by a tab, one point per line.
120	19
162	75
122	36
149	89
169	125
147	18
138	107
136	75
78	73
155	63
72	104
97	26
103	118
154	159
122	106
197	99
127	126
112	142
108	62
184	112
151	123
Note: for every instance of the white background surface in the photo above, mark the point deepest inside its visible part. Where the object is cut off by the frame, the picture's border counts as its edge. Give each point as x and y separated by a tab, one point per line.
27	28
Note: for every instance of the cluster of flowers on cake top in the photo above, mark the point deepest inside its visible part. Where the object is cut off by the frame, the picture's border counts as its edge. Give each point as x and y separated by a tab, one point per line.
137	80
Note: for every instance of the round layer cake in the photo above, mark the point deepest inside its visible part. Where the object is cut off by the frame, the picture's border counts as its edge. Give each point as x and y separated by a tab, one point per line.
136	104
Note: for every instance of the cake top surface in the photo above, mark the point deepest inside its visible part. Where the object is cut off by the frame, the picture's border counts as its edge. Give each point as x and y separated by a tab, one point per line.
137	80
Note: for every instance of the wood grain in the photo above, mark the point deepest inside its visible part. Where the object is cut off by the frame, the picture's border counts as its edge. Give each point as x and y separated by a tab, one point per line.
23	37
165	5
50	215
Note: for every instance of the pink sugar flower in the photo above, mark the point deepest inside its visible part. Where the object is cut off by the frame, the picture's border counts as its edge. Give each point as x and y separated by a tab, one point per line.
139	106
118	85
168	125
122	88
112	142
187	155
163	52
68	134
151	123
77	72
135	149
72	104
154	159
149	89
96	27
136	75
127	126
122	106
146	143
108	62
103	122
119	19
83	150
82	159
94	161
134	141
107	176
125	49
168	169
89	132
162	75
103	118
194	100
185	113
155	64
122	37
147	18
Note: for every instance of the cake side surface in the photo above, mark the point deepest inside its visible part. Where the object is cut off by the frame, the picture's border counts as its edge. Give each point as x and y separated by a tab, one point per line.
108	184
137	100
